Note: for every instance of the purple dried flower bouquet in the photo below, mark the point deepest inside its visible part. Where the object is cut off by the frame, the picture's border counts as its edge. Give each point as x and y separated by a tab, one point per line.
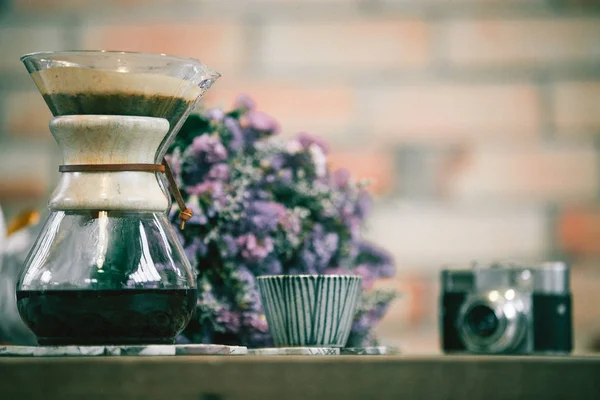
263	205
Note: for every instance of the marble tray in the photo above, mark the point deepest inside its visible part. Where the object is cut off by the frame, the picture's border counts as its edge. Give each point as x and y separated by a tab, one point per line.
147	350
322	351
366	351
295	351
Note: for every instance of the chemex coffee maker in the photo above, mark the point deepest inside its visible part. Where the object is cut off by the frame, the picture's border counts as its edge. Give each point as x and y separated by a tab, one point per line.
107	267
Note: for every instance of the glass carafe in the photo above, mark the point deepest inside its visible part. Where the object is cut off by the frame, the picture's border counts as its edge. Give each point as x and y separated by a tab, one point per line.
107	267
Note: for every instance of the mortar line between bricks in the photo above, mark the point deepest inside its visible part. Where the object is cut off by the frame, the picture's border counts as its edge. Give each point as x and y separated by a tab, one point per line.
73	32
369	7
475	10
437	74
3	120
282	12
546	104
596	144
358	122
438	45
253	31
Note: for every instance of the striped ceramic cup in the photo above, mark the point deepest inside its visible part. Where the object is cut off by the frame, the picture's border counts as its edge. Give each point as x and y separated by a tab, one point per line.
310	310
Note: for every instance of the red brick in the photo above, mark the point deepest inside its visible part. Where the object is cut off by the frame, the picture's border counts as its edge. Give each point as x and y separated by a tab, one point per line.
521	43
526	173
452	112
585	280
299	106
576	107
579	231
26	113
346	44
217	43
376	166
19	40
11	190
417	304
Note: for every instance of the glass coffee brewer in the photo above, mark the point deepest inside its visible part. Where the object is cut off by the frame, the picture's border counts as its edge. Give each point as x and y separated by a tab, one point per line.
107	267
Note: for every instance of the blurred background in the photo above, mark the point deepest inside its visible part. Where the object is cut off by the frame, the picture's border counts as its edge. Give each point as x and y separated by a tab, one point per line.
477	120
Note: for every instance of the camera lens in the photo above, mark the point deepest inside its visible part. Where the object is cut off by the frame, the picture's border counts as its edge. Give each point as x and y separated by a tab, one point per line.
482	321
491	322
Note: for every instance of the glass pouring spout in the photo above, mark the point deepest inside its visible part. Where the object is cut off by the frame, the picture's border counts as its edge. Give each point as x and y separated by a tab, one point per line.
121	83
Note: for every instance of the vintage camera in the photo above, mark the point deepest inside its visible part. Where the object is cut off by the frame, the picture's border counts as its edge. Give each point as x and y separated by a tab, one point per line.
506	309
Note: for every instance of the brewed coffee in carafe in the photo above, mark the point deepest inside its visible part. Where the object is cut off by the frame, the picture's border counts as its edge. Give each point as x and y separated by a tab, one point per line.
107	267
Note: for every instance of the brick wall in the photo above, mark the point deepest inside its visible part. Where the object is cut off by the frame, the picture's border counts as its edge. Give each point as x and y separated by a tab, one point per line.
478	120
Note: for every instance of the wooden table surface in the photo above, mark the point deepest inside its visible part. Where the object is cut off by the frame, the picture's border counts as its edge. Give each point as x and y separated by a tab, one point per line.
301	377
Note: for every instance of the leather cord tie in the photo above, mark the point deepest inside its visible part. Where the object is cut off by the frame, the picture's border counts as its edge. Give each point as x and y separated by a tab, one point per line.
184	212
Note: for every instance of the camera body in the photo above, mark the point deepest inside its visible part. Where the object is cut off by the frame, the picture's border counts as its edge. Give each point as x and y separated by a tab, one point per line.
506	309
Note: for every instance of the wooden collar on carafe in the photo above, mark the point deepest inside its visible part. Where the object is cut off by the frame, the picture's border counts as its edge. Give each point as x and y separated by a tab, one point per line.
184	214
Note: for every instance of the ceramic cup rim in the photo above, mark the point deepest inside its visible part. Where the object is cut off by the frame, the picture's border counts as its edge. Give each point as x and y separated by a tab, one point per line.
305	276
308	276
